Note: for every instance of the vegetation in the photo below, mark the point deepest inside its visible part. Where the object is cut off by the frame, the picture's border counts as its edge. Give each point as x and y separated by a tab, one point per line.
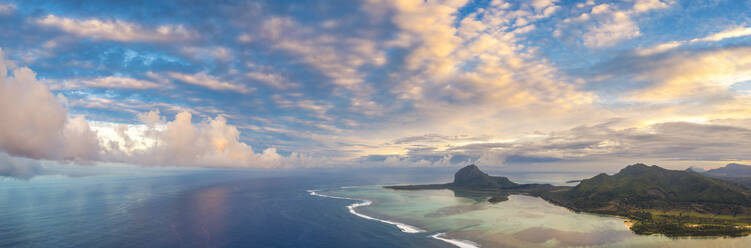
651	187
689	224
737	173
659	201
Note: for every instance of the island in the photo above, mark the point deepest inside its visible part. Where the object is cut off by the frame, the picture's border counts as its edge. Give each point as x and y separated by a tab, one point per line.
655	200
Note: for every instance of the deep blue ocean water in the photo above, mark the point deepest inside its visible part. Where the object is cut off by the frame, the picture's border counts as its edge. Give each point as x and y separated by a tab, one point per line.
206	208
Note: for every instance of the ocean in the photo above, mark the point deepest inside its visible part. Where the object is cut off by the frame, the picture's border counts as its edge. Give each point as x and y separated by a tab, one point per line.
296	208
207	208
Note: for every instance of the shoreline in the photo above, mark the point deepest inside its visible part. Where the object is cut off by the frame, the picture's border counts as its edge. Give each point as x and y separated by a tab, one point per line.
402	227
456	242
406	228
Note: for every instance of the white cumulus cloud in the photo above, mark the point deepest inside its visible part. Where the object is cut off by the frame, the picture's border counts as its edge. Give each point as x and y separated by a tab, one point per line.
35	124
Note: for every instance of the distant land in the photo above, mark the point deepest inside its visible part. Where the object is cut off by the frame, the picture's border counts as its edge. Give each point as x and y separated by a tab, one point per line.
737	173
731	170
656	200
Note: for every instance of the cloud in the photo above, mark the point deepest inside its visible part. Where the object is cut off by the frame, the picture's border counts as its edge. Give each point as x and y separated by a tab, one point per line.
608	24
201	53
111	82
205	80
274	80
384	82
648	5
318	107
690	74
336	57
342	58
245	38
729	33
659	48
130	106
612	28
436	138
478	63
683	74
36	125
668	141
462	74
598	144
117	30
269	76
209	143
7	8
733	32
19	168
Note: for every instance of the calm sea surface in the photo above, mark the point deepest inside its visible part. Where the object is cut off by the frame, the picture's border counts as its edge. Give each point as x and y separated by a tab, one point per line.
240	208
192	209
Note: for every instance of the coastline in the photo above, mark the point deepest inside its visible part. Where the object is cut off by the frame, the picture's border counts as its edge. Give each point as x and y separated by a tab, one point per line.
402	226
456	242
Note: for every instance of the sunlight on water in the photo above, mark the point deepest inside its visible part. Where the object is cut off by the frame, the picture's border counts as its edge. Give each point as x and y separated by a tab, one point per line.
522	221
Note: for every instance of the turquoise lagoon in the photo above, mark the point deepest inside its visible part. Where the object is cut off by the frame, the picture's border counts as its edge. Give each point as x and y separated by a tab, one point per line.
522	221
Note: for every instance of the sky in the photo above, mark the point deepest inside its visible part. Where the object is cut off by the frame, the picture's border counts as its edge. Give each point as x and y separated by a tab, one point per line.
526	85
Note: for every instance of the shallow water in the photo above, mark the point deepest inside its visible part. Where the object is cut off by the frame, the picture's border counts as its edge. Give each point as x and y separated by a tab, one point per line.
522	221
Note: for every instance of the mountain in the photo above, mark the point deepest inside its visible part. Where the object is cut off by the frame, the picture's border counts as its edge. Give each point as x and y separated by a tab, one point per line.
651	187
731	170
471	182
737	173
669	202
472	176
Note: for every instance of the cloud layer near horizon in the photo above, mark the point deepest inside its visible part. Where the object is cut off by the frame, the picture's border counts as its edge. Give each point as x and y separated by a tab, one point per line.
36	125
377	83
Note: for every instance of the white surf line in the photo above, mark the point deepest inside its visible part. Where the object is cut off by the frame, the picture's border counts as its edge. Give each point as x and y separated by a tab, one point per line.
456	242
403	227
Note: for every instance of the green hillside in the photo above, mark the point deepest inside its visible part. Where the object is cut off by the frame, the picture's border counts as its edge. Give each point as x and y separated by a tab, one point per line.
674	203
641	186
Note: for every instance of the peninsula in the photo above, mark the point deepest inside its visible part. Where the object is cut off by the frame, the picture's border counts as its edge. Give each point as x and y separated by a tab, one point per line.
657	200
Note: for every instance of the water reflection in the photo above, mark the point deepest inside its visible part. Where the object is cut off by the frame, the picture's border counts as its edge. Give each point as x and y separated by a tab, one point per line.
571	238
209	220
